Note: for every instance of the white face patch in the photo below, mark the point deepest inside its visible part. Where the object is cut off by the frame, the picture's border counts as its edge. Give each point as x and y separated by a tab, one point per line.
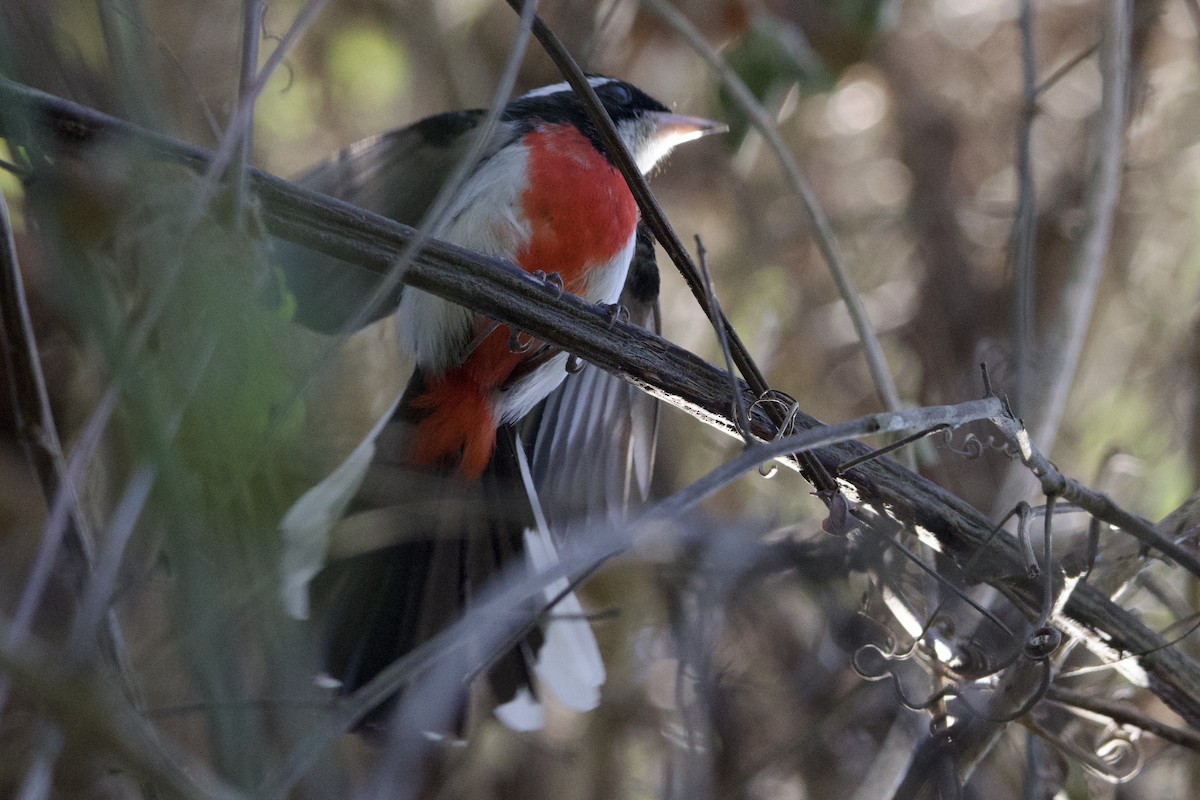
651	136
645	144
555	88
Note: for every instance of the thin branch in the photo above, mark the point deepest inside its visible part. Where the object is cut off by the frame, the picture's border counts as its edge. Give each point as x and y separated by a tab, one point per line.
1125	714
59	528
885	422
122	24
30	399
252	13
818	224
1086	266
240	123
1055	484
1025	220
740	417
1061	71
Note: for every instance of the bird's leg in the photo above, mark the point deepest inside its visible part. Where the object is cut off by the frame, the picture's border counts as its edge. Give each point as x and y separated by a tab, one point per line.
547	351
551	279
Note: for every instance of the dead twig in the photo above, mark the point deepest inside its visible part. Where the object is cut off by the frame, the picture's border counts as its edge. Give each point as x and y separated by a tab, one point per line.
1087	261
814	216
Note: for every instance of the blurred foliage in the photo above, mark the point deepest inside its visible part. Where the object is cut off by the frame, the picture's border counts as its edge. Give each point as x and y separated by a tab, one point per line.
771	57
905	118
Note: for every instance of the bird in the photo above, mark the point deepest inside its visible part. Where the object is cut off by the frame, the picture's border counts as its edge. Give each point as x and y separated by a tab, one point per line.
485	430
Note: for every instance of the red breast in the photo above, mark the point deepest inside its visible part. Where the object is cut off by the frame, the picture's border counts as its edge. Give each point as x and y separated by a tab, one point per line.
581	215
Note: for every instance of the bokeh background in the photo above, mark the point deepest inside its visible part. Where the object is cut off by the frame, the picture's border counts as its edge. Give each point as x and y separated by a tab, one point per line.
906	119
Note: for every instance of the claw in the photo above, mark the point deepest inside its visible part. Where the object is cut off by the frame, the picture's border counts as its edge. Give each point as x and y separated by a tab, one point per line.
553	279
473	345
515	345
616	311
529	364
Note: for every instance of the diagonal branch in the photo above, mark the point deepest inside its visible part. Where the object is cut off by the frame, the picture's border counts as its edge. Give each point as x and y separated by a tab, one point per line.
814	215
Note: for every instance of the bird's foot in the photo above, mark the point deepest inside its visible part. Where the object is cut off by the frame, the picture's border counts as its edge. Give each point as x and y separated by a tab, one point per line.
551	279
615	311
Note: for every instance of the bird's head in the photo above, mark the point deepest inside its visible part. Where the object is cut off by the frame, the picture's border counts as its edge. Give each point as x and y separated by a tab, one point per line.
648	128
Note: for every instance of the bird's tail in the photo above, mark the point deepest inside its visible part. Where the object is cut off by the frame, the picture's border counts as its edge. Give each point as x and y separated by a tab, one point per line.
425	545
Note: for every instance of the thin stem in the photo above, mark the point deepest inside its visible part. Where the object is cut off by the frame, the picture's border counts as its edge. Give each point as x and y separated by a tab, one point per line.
1086	266
1025	221
252	13
1124	714
740	415
814	216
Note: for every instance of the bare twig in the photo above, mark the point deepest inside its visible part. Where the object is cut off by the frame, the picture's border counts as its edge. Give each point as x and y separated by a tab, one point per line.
30	399
1124	714
122	24
1099	505
873	424
239	124
95	603
1059	72
252	11
818	224
740	416
1025	220
1087	260
131	14
39	777
64	507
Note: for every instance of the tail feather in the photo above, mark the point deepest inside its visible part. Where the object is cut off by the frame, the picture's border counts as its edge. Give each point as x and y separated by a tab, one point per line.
457	537
446	539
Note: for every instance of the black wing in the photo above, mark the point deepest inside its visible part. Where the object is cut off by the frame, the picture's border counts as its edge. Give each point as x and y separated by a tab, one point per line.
397	175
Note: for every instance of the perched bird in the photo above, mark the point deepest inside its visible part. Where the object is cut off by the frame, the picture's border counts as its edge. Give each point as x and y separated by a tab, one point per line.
441	481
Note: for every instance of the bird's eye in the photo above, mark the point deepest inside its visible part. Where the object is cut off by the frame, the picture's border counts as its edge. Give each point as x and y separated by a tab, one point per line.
620	93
